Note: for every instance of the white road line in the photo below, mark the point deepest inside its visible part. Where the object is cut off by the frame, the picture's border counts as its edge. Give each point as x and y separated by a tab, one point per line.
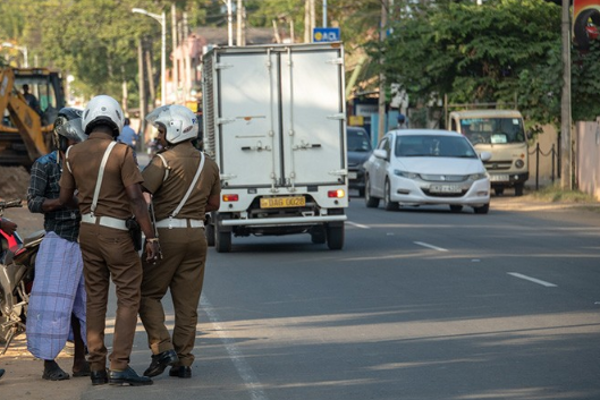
243	368
430	246
534	280
358	225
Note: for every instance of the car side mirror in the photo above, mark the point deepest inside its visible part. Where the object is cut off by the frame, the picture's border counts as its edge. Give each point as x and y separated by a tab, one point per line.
485	156
380	153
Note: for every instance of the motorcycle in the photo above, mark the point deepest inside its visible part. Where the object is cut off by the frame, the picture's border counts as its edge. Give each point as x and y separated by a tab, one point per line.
17	270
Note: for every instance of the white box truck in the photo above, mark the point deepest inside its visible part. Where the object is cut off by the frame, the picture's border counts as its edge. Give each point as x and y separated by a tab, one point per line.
274	121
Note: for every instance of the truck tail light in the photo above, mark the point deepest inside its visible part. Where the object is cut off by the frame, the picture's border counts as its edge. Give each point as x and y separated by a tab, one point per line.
230	197
339	193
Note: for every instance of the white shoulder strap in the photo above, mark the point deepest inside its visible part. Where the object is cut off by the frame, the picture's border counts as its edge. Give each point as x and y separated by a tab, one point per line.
189	191
67	159
167	168
101	175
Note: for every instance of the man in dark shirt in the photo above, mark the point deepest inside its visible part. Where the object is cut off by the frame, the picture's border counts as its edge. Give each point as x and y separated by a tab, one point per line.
57	302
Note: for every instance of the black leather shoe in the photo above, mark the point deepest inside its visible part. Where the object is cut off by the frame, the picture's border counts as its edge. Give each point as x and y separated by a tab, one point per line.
128	377
99	377
181	372
161	361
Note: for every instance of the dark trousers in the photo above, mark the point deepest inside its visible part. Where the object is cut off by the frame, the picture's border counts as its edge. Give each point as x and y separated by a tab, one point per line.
109	253
182	271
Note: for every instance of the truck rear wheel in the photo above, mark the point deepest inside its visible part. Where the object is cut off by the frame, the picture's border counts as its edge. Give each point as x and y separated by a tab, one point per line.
222	240
209	231
335	237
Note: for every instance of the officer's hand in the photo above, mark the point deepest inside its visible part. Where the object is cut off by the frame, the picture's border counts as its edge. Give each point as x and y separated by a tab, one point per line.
7	226
153	253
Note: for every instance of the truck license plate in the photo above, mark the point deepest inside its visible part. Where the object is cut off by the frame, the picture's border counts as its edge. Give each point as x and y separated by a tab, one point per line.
281	202
445	189
498	178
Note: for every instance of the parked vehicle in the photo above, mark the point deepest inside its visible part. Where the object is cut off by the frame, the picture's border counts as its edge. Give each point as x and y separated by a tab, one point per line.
274	121
501	133
359	151
423	167
17	265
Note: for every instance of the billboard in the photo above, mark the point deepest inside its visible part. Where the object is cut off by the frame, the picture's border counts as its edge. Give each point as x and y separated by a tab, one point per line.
586	23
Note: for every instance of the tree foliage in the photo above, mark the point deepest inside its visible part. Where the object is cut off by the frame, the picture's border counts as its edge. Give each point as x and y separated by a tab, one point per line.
498	52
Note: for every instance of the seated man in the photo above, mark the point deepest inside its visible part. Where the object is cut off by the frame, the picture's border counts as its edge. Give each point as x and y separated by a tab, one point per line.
31	99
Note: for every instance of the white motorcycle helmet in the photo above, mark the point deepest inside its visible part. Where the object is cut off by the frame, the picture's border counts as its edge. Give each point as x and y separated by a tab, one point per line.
103	110
179	122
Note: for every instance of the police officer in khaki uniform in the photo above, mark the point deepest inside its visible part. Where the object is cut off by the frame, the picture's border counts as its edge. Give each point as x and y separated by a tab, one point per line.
107	248
184	184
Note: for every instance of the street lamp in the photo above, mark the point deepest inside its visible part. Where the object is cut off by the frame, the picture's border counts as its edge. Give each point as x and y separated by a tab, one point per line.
22	49
163	51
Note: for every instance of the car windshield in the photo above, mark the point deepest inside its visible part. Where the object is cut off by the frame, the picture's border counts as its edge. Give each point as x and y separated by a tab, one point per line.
493	130
433	146
358	140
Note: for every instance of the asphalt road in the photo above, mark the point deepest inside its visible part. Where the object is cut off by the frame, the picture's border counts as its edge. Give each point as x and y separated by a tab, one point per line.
421	304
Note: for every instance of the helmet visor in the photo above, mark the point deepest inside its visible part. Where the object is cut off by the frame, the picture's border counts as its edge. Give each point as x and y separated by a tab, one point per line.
72	130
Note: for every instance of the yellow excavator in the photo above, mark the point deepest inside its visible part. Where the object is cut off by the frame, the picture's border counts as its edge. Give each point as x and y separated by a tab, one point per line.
27	119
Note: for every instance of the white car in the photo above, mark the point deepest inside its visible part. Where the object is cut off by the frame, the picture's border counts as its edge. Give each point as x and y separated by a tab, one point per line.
425	166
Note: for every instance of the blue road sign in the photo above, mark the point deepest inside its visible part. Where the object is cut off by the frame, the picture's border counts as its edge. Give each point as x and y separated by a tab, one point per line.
326	34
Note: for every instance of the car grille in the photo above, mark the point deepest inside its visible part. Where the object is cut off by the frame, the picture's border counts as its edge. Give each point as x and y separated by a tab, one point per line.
498	165
454	195
444	178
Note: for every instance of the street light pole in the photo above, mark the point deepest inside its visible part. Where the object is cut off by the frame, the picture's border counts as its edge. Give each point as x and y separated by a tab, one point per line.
162	19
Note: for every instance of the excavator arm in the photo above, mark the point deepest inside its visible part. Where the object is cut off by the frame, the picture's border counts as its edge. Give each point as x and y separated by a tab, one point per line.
26	120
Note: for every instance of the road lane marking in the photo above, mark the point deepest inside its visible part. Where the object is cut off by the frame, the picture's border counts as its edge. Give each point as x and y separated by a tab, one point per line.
358	225
430	246
243	368
534	280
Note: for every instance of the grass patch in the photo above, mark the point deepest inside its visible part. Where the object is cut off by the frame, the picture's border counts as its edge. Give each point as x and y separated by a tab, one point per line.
554	194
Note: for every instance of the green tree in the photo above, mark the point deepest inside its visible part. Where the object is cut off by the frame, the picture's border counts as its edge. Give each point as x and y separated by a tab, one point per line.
497	52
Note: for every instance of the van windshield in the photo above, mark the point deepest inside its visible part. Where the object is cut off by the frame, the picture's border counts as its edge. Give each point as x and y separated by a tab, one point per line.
493	130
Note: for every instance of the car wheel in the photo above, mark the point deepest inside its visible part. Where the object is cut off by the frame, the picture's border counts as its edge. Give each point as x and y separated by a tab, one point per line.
455	208
581	28
483	209
335	237
371	202
387	203
499	191
519	189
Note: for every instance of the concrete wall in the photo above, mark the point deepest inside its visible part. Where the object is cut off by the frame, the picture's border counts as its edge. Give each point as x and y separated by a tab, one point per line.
587	157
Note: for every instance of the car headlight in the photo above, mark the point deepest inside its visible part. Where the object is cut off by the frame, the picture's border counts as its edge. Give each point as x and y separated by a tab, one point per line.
519	163
476	177
406	174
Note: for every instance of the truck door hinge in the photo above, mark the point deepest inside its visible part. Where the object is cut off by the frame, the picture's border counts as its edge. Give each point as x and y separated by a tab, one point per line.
223	66
226	177
339	116
339	172
223	121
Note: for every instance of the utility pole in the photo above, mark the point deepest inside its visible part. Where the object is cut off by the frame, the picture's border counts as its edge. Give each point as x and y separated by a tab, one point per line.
382	34
240	23
142	86
174	37
566	180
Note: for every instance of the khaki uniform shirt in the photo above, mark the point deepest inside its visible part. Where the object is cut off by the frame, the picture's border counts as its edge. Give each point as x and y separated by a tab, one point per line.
183	160
120	172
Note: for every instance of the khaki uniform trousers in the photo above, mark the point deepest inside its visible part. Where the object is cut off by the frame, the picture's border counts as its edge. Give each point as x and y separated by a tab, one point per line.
181	270
107	253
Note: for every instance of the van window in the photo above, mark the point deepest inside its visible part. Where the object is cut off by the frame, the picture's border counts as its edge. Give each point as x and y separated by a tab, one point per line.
493	130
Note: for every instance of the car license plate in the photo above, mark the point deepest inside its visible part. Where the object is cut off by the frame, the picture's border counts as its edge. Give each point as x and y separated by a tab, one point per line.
445	189
352	175
281	202
498	178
